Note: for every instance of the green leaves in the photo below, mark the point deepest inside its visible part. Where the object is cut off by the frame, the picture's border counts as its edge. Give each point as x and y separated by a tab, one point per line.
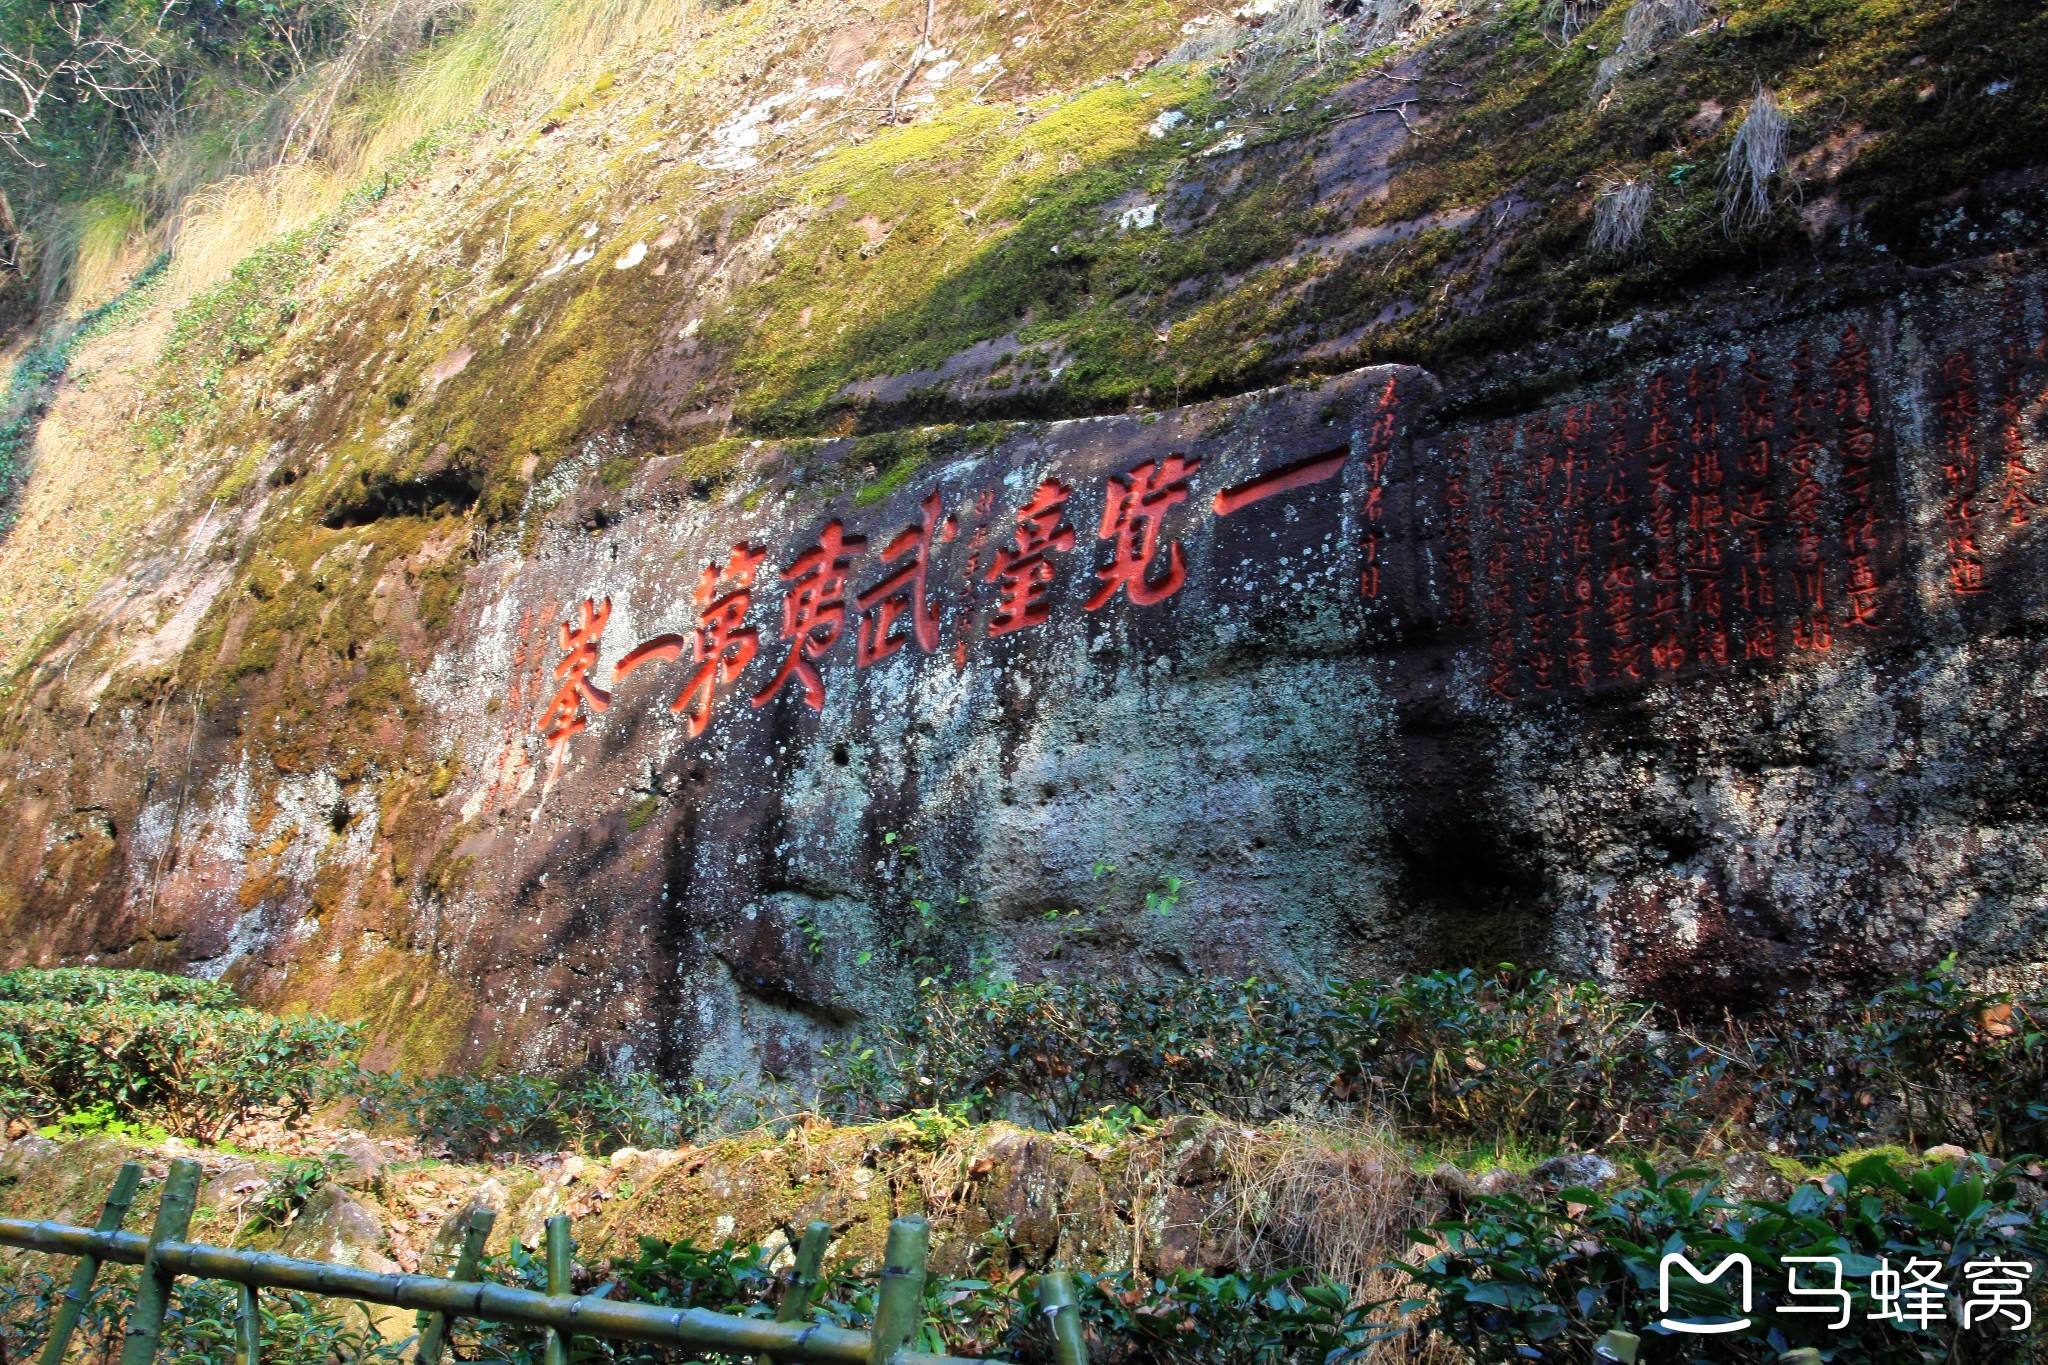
141	1047
1185	1318
1523	1279
200	1327
501	1112
281	1201
1471	1055
102	985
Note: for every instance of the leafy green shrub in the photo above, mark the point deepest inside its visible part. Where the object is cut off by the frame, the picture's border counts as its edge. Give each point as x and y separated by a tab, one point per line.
108	986
1070	1049
499	1113
283	1198
1523	1280
1186	1318
1925	1060
1509	1053
1446	1052
145	1050
101	1120
199	1329
1468	1054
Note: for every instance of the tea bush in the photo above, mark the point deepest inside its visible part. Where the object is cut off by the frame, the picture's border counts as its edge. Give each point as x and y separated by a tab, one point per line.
1454	1052
1285	1318
1540	1281
199	1328
138	1048
502	1113
1188	1318
108	986
1925	1060
1446	1056
1480	1055
283	1197
1509	1054
1069	1049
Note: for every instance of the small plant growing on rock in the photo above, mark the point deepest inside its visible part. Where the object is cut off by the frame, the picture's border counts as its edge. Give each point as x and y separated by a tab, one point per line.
280	1202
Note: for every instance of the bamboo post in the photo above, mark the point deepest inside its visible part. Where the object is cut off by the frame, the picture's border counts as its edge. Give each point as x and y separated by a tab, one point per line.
249	1325
899	1303
560	1252
476	1231
88	1268
153	1288
795	1303
1617	1346
1063	1313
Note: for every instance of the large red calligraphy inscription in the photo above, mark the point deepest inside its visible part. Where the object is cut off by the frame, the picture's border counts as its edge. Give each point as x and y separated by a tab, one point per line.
1379	447
1698	516
813	612
1131	519
564	719
722	644
1023	569
902	593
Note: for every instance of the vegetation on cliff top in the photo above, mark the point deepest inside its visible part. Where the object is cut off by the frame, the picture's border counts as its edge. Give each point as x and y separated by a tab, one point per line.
1081	228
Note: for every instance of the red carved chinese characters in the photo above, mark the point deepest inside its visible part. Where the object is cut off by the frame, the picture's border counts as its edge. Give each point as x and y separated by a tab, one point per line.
578	638
1379	448
1023	569
977	539
1812	629
1667	649
1955	422
1273	482
1855	404
2019	504
1706	517
1499	603
1458	522
1617	584
1138	502
813	612
1539	545
722	643
902	593
1753	515
1575	462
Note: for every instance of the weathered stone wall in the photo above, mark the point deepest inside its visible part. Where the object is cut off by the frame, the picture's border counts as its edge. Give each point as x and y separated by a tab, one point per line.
1722	674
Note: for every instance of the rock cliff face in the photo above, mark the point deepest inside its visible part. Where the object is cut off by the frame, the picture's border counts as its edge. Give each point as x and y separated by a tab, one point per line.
1698	650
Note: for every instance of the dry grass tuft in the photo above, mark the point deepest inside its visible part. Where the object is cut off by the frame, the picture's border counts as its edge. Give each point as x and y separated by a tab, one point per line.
1620	213
1335	1197
1756	155
1646	26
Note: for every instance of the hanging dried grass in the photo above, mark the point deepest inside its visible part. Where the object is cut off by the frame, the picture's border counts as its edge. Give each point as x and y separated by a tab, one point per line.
1754	158
1621	211
1647	26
